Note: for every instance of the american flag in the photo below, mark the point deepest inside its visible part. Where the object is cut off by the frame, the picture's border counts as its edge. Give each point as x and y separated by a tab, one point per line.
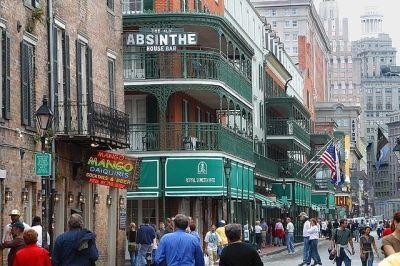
329	159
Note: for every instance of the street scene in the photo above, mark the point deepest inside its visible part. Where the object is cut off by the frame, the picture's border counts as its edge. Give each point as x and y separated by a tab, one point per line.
199	132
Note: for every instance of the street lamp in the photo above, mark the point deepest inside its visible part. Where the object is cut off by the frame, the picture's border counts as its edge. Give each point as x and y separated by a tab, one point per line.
44	119
227	170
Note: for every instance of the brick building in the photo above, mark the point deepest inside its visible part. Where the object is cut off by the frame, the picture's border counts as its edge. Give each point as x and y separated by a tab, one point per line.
87	80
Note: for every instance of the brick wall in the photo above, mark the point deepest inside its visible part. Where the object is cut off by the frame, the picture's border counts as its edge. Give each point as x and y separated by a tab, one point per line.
175	5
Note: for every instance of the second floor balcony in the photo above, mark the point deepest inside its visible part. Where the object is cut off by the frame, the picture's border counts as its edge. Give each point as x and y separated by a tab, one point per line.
91	122
288	128
197	66
188	137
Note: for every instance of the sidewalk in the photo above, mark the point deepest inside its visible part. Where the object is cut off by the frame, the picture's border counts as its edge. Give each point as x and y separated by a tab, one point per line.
269	251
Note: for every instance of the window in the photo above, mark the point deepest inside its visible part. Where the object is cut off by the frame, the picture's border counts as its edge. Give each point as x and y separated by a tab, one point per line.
294	23
388	90
27	84
287	24
84	82
273	12
5	104
378	90
294	11
295	50
287	36
274	24
388	103
295	37
110	4
111	82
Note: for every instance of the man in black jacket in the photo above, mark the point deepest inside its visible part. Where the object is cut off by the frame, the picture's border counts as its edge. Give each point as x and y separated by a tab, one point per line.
238	253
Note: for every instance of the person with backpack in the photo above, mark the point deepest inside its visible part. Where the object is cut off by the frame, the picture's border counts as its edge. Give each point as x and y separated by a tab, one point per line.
341	238
77	246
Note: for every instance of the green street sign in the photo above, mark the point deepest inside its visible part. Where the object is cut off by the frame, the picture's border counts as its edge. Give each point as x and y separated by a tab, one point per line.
42	164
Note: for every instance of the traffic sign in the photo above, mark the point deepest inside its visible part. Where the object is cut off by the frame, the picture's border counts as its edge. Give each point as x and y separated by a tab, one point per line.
43	164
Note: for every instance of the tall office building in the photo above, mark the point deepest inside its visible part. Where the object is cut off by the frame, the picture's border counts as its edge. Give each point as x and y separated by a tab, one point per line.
299	27
340	76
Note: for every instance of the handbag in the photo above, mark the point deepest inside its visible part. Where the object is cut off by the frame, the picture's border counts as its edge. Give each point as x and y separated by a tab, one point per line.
132	247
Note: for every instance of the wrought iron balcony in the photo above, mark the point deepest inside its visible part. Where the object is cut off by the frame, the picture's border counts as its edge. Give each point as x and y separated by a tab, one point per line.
92	122
284	127
289	168
189	137
266	166
204	65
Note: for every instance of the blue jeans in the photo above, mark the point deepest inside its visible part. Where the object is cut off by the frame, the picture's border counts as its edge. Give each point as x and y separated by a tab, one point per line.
369	261
141	254
343	258
290	242
306	249
133	258
314	252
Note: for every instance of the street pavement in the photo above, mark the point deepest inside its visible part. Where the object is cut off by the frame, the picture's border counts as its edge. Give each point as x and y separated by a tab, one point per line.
283	259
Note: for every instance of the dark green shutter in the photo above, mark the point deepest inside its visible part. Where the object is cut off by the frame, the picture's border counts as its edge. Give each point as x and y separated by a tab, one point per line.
24	84
89	75
55	67
79	72
6	76
67	80
148	5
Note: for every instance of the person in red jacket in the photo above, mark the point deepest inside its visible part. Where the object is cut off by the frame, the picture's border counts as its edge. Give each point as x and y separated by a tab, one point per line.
31	254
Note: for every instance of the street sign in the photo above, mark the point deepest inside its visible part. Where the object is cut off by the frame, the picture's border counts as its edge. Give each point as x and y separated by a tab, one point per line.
42	164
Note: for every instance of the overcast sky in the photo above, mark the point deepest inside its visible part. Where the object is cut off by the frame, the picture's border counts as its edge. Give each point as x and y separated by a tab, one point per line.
352	9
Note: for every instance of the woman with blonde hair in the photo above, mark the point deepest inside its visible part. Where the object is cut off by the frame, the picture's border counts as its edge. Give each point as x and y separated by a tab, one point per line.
131	236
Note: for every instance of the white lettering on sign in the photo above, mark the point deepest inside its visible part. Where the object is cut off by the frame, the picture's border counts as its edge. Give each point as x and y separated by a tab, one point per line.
200	180
157	38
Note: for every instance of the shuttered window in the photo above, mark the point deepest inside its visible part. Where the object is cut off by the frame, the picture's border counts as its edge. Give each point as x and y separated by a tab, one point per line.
5	105
27	83
110	4
111	82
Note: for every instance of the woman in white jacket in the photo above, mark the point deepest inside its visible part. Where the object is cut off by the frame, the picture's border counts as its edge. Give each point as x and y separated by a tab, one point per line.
314	235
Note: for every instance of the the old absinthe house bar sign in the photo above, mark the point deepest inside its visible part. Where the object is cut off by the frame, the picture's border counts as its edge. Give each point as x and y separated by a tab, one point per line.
161	40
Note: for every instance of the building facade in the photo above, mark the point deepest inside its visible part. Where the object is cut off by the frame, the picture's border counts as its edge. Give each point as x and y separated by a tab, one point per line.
87	103
340	76
298	25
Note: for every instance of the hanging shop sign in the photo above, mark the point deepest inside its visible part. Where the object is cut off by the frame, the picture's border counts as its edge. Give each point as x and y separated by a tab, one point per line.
161	40
353	130
113	170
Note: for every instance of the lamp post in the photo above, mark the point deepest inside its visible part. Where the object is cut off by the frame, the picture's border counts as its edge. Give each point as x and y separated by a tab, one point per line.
44	118
227	170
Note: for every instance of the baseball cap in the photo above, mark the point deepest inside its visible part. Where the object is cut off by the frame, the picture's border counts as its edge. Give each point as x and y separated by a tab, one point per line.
222	222
303	214
15	212
18	225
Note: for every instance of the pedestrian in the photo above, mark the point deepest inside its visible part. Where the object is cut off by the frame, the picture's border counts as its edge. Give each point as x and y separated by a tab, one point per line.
388	229
131	236
270	231
146	240
341	238
279	233
15	216
77	246
264	230
160	231
313	244
179	248
37	226
306	237
392	260
391	243
290	236
366	243
238	253
32	254
335	225
324	227
379	230
169	228
329	229
221	232
212	240
193	231
257	231
354	230
17	242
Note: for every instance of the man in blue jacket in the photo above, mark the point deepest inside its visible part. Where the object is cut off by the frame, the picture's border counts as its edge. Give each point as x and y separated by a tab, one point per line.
179	248
75	247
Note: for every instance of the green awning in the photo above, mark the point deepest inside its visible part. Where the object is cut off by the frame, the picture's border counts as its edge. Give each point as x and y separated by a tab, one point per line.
265	201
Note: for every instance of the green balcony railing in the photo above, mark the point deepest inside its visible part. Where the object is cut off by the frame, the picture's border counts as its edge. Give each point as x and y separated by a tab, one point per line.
284	127
289	168
266	166
187	65
190	137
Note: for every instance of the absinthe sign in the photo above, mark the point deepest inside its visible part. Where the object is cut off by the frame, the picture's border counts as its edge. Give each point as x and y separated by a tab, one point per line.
161	40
